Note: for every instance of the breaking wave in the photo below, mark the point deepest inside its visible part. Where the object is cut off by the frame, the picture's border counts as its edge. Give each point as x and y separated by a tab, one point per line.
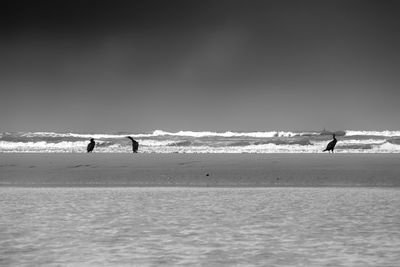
394	141
160	141
385	133
228	134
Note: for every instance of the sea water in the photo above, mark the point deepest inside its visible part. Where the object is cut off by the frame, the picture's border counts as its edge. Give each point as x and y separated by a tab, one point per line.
200	226
159	141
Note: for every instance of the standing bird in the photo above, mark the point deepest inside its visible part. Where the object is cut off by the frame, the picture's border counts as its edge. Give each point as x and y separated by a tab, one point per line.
91	145
135	144
331	145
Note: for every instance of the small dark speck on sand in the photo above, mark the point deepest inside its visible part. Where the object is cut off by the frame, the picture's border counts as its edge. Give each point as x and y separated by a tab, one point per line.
207	174
77	166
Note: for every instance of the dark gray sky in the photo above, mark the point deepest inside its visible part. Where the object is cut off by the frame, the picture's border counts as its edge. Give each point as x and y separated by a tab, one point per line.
97	66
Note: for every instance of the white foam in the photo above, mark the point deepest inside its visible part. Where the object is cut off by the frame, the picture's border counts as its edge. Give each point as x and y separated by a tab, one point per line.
352	142
86	136
385	133
220	134
387	148
156	143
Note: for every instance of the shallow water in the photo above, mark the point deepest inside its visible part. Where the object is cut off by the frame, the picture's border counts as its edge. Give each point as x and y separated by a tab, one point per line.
200	226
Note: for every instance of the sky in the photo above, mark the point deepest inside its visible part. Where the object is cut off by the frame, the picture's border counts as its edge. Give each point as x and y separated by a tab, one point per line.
137	66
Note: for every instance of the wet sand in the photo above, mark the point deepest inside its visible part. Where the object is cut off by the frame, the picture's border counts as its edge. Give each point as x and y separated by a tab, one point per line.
202	170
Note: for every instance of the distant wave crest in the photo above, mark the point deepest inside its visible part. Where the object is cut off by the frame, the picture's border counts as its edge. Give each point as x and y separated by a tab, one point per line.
266	134
385	133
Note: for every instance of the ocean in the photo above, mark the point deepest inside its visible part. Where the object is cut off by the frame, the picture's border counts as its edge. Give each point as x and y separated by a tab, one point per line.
158	141
200	227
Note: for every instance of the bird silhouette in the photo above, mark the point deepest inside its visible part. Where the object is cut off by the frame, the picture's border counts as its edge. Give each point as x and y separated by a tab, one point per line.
135	144
331	145
91	145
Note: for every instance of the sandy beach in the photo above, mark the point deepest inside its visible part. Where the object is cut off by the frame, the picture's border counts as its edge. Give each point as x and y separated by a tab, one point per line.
199	170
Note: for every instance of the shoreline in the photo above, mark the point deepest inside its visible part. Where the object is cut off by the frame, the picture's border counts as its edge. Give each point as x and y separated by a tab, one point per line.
198	170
